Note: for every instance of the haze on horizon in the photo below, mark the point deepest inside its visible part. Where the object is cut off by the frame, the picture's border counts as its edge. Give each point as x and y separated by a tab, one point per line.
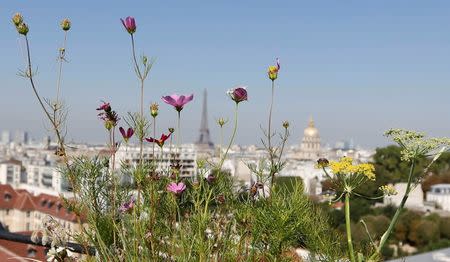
358	67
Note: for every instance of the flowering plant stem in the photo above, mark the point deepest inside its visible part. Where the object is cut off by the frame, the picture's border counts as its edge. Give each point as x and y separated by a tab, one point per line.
56	129
348	228
394	220
232	136
61	60
179	133
269	139
153	146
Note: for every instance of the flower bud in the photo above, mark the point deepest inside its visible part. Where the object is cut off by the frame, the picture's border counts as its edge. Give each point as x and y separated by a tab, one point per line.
171	130
221	122
22	29
154	109
144	60
286	124
201	163
65	24
273	71
17	19
109	124
238	94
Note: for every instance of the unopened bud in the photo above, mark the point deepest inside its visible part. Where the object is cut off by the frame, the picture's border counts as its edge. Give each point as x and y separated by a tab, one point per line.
65	24
144	60
171	129
221	122
17	19
22	29
154	110
286	124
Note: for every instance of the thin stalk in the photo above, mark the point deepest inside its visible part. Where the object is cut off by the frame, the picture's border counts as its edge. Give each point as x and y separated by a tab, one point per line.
178	133
59	137
232	136
154	134
221	142
139	75
348	228
394	220
61	60
269	138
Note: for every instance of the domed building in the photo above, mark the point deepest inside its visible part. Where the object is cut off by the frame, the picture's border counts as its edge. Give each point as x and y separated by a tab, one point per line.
310	144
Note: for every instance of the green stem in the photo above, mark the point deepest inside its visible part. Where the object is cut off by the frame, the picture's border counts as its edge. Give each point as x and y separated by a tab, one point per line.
154	134
61	60
348	228
179	133
232	136
394	220
269	138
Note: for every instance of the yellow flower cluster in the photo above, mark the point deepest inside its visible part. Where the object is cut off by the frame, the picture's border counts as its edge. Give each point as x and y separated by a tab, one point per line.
388	190
345	167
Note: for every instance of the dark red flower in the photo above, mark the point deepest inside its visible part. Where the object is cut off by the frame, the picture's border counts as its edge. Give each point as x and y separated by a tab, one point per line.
126	135
159	142
109	116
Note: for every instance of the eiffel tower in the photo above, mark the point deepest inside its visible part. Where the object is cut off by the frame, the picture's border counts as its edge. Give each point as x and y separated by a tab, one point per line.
204	140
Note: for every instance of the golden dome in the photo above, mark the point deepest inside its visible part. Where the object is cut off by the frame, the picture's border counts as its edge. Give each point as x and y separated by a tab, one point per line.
311	130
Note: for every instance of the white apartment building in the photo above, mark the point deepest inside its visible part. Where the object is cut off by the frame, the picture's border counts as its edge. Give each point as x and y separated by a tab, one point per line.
38	177
169	155
440	195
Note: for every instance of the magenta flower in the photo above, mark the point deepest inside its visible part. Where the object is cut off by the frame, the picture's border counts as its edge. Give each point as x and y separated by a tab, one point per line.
238	94
159	142
109	116
127	206
177	101
175	188
130	24
126	135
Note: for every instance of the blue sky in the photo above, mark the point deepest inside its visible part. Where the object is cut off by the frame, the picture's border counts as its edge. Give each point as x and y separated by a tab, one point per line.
358	67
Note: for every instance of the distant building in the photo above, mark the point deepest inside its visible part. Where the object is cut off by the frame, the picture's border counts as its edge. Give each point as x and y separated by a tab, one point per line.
22	211
440	195
415	199
21	137
310	144
6	137
187	157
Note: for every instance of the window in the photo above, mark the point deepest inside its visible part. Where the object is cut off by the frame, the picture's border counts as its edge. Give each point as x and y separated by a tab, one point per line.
9	174
7	197
7	211
28	227
28	213
31	252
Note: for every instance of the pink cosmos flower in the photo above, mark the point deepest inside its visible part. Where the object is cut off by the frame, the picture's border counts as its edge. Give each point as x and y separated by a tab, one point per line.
130	24
159	142
126	135
175	188
177	101
238	94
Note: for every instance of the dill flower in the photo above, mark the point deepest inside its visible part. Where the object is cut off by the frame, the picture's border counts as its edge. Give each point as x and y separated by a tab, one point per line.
415	145
388	190
322	163
345	167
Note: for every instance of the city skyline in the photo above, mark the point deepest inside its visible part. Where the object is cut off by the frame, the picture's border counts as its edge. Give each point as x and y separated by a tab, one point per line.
357	68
